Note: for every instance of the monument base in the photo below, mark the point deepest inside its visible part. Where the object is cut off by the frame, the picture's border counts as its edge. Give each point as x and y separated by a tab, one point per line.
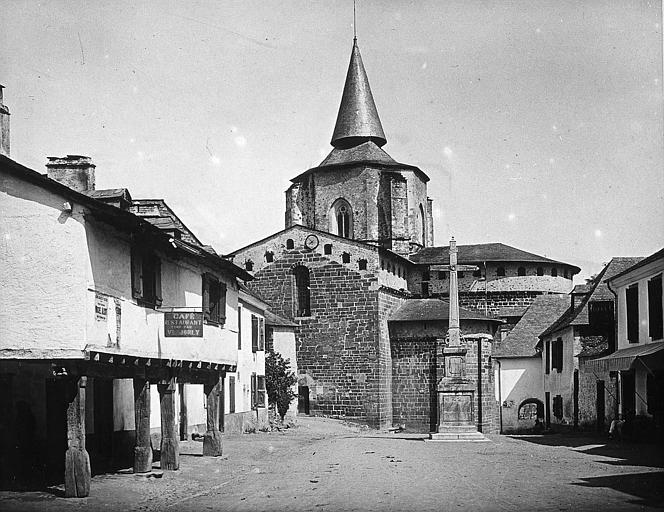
461	433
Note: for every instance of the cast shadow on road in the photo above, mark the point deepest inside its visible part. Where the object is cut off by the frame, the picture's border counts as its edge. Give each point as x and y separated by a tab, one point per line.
624	453
647	487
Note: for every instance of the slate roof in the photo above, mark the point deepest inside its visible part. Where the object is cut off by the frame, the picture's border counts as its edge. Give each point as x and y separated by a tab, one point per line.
479	253
159	214
599	292
593	346
278	321
644	261
367	152
415	310
523	338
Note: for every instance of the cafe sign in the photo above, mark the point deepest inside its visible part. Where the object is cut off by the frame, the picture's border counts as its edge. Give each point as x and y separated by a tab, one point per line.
185	324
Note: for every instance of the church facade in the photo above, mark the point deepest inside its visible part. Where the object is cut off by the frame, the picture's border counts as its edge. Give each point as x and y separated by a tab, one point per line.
345	269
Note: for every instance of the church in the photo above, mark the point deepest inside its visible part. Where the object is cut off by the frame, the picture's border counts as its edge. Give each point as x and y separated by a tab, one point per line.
371	338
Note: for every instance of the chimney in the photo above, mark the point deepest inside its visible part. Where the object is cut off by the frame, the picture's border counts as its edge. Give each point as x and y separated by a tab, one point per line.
4	126
74	171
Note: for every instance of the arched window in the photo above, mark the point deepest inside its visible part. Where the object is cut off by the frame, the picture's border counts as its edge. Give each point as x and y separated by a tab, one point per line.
362	264
345	257
341	218
302	291
290	244
327	248
540	271
500	272
269	256
531	409
423	220
554	272
521	271
249	265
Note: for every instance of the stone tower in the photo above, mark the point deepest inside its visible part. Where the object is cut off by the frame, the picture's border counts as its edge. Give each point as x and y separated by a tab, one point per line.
359	191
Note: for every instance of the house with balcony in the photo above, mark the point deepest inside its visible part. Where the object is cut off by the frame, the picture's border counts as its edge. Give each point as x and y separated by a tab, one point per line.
117	328
636	366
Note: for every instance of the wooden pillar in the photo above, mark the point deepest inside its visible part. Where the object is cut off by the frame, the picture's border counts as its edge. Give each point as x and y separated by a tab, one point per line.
77	460
212	439
222	401
143	447
170	446
182	390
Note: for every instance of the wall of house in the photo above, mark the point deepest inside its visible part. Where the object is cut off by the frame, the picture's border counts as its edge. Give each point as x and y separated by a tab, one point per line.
520	379
562	383
248	363
283	342
42	268
588	377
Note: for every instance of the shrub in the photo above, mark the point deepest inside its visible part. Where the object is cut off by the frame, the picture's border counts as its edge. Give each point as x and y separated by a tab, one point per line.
278	381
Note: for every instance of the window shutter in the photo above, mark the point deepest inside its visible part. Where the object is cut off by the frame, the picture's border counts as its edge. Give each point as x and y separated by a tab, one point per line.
253	390
239	327
254	333
206	296
221	309
157	281
632	299
655	313
261	334
136	274
547	350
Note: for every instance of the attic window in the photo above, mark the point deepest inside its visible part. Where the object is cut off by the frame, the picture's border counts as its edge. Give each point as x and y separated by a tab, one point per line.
327	249
500	272
269	256
249	265
362	264
521	271
554	272
540	271
345	257
290	244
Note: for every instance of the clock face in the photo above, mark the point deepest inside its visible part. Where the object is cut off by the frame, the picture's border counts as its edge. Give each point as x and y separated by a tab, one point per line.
311	242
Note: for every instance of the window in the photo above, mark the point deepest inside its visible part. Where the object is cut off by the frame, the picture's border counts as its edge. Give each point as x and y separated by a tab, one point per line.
632	297
424	226
269	256
557	355
269	338
239	327
500	272
426	274
231	394
655	312
302	291
290	244
214	300
249	265
255	333
341	219
521	271
528	411
558	407
554	272
257	391
345	257
362	264
540	271
425	289
146	278
327	248
547	354
261	333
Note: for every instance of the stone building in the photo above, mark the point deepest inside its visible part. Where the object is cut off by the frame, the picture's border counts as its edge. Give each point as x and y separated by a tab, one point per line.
104	311
342	267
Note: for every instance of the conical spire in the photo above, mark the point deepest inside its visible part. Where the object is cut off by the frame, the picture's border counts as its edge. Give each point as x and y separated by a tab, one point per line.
358	119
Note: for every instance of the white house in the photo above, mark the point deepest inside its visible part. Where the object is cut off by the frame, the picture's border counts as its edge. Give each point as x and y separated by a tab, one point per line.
106	304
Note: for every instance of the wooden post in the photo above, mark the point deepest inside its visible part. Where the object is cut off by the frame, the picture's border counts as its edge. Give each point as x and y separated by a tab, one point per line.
143	447
183	411
212	439
170	446
77	460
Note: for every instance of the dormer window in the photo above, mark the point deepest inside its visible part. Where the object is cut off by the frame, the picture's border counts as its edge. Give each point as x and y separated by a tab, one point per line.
214	299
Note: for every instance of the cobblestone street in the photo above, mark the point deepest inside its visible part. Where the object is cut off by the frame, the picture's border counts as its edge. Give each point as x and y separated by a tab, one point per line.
328	465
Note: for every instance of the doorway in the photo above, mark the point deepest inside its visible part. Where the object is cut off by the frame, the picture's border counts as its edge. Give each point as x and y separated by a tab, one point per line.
303	399
600	406
101	449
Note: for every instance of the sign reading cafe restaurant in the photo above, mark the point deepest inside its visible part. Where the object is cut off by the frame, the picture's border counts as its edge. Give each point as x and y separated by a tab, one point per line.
183	324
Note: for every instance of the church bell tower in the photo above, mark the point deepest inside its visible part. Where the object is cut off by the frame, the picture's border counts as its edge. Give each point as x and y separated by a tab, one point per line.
359	191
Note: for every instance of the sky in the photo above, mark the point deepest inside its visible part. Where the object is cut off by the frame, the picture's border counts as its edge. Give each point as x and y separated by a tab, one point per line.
539	122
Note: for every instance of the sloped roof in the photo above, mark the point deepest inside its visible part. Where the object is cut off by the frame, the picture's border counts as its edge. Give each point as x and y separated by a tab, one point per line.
158	213
522	339
109	193
593	346
414	310
659	254
367	152
357	117
278	321
599	292
478	253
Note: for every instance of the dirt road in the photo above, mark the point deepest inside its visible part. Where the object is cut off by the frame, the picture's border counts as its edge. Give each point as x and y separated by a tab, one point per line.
328	466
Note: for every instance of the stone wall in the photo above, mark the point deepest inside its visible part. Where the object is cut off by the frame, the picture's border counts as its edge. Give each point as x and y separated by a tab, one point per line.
588	378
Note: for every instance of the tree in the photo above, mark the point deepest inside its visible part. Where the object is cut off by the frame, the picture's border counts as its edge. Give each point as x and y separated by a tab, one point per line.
278	381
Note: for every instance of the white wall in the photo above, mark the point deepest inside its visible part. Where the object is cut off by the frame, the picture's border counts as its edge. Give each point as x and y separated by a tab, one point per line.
562	383
283	342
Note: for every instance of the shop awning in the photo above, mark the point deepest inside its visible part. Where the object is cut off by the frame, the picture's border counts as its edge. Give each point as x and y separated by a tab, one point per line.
650	354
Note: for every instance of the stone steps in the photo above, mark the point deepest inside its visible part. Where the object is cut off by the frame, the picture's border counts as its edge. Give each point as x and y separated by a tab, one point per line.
470	437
